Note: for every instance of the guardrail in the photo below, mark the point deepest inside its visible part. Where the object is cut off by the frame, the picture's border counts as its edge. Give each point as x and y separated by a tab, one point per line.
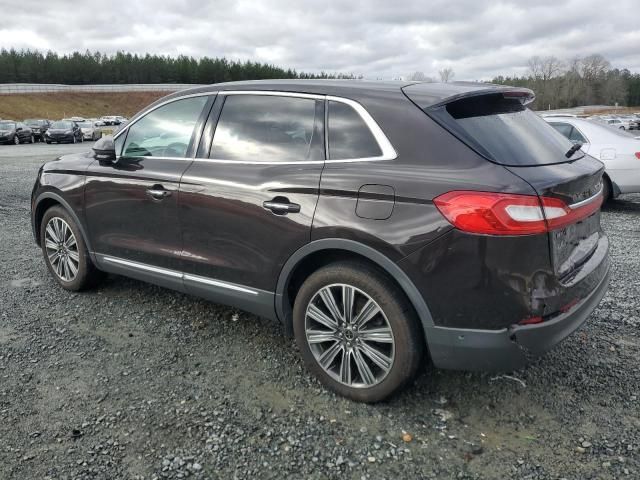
15	88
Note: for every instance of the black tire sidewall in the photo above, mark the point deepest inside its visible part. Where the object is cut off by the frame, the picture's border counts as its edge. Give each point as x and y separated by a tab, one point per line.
84	264
402	319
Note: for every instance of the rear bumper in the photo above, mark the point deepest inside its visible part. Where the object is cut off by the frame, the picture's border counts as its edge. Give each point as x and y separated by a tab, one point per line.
509	348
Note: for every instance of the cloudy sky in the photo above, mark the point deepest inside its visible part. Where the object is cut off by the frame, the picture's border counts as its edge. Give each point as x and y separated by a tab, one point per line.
376	38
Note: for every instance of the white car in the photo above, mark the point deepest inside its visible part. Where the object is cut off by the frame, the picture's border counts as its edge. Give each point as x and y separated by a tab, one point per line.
619	152
619	123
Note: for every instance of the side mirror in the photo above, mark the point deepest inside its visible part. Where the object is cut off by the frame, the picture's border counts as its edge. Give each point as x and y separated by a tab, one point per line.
18	129
104	150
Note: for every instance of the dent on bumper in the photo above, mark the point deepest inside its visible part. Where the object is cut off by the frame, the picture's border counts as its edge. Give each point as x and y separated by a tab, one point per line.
509	348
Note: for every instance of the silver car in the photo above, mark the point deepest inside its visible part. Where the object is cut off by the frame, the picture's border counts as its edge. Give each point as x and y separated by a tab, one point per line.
90	130
619	151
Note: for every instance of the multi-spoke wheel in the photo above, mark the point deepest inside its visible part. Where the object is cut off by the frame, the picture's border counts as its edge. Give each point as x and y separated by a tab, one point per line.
357	332
62	249
65	252
349	336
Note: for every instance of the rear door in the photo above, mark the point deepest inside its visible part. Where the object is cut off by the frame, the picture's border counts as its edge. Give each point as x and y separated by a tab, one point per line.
248	200
131	206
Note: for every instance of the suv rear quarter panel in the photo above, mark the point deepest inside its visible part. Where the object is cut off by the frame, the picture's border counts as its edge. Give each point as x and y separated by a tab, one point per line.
429	162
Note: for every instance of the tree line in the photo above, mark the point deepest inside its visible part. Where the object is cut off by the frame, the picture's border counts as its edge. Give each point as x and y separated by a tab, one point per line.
578	81
29	66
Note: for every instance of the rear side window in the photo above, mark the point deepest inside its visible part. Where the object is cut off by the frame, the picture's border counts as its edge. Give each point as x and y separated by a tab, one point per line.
504	130
569	131
165	131
264	128
349	135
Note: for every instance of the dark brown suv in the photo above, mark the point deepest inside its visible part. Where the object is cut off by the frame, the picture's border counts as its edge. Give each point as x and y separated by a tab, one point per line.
381	223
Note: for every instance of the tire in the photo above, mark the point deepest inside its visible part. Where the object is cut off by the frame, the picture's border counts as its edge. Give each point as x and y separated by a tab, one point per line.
16	139
33	139
402	347
86	274
74	139
48	142
621	128
606	190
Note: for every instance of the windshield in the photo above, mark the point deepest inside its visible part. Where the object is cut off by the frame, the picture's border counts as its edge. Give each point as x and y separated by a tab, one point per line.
85	124
61	125
32	121
504	130
7	125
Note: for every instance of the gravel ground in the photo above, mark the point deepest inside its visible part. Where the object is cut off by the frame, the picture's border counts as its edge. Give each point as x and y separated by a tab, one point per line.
135	381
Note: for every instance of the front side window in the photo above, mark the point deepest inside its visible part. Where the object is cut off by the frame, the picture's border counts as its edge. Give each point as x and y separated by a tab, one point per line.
349	135
264	128
166	131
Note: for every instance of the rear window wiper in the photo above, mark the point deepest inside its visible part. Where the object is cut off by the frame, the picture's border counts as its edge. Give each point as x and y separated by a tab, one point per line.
573	150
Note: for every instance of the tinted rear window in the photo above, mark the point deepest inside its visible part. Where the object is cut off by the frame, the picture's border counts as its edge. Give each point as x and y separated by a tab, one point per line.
504	130
349	135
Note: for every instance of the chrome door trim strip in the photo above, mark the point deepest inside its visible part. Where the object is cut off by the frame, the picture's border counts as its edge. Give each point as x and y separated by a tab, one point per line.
218	283
142	266
176	274
276	93
587	201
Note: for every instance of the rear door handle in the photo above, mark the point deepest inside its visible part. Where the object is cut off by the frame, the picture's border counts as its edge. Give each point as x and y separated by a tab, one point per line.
281	206
158	192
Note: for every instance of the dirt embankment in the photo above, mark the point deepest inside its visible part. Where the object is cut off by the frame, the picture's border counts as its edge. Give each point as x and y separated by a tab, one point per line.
85	104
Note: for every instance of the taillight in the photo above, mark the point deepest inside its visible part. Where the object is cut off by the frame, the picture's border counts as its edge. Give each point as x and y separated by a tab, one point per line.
492	213
638	155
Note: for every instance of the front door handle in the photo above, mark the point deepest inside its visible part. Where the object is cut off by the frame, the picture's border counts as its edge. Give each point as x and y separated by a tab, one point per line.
158	192
281	206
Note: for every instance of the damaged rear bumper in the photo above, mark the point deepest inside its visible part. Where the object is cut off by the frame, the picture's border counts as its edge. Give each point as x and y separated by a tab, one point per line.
509	348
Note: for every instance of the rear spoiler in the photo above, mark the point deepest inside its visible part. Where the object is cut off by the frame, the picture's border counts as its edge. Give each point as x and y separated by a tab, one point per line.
429	96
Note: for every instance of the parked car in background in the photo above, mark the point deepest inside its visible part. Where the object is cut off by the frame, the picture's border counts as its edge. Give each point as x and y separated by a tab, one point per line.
380	222
632	120
618	123
110	120
121	120
38	126
63	131
77	119
619	152
90	130
15	132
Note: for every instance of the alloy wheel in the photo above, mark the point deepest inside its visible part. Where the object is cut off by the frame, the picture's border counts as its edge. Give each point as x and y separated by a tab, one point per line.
62	249
349	336
16	139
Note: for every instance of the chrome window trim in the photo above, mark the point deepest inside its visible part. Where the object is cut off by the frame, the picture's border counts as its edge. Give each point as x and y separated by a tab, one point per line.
166	102
176	274
388	152
587	201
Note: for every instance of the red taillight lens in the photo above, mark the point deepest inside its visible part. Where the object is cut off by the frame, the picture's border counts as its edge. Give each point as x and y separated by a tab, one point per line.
638	155
492	213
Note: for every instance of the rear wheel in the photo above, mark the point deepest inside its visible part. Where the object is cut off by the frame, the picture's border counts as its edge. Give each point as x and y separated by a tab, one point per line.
65	252
357	332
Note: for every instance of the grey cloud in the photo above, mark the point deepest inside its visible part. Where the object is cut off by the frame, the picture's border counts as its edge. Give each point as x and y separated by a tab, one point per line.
375	38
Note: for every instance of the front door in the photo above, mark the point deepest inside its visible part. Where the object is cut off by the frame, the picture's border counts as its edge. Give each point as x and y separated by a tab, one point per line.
249	204
132	204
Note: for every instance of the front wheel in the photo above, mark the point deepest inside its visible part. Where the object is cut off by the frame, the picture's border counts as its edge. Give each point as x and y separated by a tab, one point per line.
65	252
16	139
33	139
357	331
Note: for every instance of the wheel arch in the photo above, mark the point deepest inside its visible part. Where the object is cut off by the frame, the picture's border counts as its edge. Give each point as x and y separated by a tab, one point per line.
44	202
321	252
